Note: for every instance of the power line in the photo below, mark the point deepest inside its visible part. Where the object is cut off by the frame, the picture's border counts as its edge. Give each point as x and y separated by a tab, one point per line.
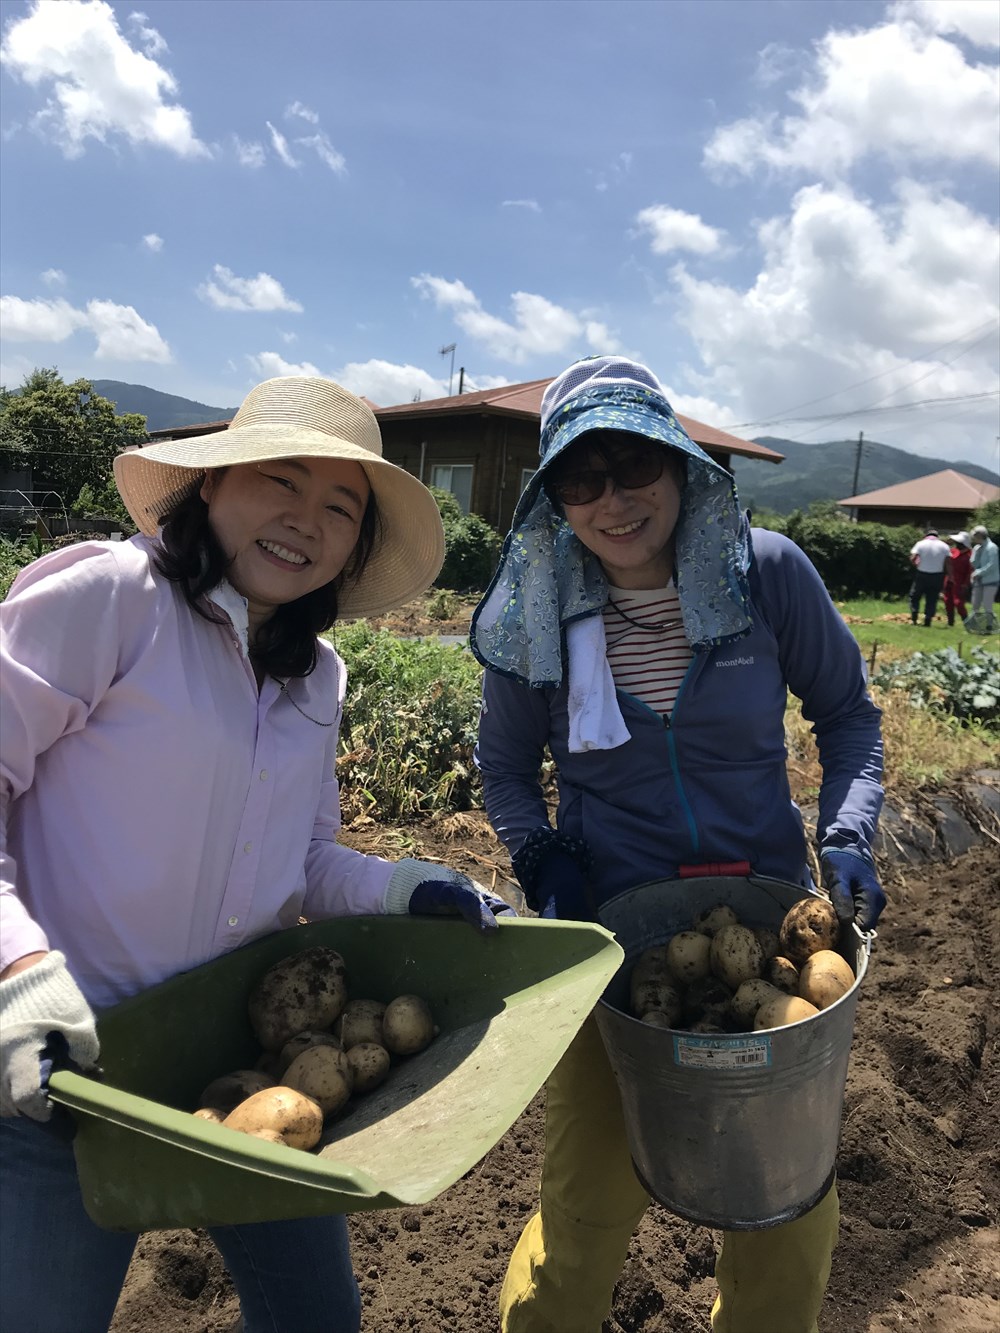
991	325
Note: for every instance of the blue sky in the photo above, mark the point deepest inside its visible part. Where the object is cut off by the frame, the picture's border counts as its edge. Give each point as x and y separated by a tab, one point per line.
784	208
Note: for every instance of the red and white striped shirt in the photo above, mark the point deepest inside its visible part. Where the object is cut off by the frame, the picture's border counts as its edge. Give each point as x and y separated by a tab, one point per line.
648	651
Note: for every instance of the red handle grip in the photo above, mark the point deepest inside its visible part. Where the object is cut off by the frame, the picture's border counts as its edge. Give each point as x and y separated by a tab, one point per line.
715	868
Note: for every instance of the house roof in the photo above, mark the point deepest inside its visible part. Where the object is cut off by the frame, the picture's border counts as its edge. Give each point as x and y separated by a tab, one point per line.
947	489
195	428
525	401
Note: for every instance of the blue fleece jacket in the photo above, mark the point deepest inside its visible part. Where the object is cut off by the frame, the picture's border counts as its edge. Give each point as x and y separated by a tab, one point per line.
709	783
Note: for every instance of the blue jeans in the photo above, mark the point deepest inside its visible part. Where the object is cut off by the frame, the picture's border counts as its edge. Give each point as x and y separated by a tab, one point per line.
60	1273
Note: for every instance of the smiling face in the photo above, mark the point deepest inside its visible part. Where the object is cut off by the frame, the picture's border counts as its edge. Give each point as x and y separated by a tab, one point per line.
288	527
631	531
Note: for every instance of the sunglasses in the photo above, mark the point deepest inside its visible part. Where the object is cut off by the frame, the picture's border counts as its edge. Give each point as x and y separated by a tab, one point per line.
629	468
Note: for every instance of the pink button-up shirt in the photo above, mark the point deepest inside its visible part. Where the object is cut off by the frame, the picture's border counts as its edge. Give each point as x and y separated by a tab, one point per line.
155	810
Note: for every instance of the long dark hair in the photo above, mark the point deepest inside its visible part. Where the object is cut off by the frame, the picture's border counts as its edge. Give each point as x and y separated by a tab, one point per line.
285	645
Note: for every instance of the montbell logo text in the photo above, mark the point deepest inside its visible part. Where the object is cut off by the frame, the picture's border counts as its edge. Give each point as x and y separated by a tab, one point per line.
735	661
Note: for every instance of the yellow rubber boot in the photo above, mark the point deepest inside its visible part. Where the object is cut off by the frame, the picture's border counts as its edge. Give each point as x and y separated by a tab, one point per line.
773	1281
562	1273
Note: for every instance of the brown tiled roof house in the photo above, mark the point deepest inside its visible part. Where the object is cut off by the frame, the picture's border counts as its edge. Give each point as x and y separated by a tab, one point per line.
944	500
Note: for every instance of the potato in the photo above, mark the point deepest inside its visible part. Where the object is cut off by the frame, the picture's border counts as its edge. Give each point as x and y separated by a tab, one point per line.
707	1025
225	1094
280	1115
324	1074
824	978
810	925
768	941
369	1064
658	994
782	1011
303	992
360	1021
209	1113
748	999
782	973
302	1041
407	1025
656	1019
735	956
714	918
706	1000
687	955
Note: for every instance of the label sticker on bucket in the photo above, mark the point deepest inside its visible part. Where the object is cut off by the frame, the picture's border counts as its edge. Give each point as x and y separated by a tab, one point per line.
722	1052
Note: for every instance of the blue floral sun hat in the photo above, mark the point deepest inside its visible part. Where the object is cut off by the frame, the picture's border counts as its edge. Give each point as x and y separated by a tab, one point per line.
547	578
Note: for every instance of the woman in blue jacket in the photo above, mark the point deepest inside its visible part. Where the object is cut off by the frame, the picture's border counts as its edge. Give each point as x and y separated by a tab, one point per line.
640	631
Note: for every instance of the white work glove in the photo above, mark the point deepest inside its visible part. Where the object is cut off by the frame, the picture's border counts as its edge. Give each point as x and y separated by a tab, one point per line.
41	1000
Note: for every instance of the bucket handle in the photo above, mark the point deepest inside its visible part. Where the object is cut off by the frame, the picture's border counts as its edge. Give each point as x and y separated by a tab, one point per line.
716	869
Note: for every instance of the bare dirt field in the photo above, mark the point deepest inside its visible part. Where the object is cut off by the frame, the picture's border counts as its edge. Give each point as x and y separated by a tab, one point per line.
919	1162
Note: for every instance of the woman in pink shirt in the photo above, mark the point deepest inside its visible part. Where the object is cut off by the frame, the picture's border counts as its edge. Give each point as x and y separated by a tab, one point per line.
168	734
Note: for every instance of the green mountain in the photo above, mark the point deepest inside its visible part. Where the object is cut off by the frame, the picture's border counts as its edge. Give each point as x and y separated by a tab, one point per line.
161	410
826	472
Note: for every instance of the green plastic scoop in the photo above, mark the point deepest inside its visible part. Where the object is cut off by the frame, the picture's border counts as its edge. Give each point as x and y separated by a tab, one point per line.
507	1007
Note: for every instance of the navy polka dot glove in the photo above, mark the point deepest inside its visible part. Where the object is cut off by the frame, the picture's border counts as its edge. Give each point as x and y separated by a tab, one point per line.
853	887
561	888
445	897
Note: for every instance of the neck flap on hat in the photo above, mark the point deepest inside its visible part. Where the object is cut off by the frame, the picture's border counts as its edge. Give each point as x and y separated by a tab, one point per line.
547	578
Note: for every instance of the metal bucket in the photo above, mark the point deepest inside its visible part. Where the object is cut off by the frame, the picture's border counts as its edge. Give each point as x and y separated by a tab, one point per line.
736	1132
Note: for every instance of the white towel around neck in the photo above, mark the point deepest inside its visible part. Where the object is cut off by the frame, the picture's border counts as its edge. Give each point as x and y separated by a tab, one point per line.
595	719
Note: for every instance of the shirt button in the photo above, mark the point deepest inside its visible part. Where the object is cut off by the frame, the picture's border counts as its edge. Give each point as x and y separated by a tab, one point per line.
248	847
263	775
234	921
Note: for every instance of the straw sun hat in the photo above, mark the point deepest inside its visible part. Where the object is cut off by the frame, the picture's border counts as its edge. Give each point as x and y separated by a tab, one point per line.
299	416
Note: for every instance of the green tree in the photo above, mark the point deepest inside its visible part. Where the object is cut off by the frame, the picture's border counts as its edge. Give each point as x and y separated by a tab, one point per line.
471	546
65	433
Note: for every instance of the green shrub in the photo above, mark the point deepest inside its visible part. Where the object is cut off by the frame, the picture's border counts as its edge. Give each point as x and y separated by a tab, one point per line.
471	546
853	559
967	688
409	728
14	556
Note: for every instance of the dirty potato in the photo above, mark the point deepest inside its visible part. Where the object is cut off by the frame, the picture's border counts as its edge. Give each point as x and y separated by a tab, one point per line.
279	1115
301	993
687	956
810	925
735	955
324	1074
369	1065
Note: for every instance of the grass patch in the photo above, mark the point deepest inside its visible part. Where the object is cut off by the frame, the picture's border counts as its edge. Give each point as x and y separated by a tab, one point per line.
884	632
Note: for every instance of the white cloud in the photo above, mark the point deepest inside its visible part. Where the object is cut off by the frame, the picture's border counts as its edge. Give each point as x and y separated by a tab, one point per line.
532	205
895	90
671	229
287	338
153	242
122	335
152	43
848	293
297	109
249	154
539	327
272	364
228	292
280	146
54	277
775	63
38	321
387	384
101	86
978	21
325	151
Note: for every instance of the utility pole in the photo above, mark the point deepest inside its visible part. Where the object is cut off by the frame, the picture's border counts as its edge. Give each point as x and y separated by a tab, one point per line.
857	462
461	379
444	352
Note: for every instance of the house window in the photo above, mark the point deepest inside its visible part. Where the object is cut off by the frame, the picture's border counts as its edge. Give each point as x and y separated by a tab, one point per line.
457	478
526	474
